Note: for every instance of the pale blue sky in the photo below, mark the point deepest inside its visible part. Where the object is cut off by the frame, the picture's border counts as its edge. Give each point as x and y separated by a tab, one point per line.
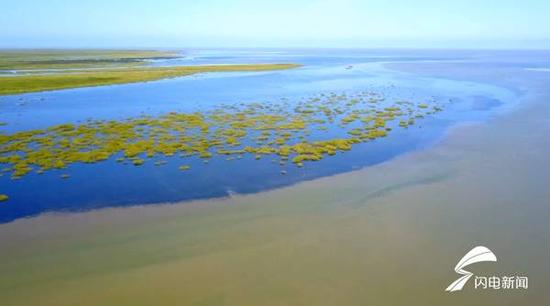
282	23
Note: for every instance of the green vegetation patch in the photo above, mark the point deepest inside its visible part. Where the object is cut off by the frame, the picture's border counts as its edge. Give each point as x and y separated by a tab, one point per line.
282	130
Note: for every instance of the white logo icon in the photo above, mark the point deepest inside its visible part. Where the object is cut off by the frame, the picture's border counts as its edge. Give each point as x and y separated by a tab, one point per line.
477	254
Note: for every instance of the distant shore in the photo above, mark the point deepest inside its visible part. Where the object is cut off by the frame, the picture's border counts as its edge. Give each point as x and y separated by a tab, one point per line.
73	69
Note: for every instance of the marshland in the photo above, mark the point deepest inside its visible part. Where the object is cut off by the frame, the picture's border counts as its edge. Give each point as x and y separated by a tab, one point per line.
30	71
371	214
230	153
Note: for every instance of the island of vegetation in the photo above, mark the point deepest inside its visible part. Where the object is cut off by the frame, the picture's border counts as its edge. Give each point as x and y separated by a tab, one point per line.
291	131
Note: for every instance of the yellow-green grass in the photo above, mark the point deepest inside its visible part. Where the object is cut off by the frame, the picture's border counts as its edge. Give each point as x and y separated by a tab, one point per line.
280	130
70	59
43	82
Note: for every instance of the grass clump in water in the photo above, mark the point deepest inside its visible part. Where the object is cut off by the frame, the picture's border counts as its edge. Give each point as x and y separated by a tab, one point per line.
283	130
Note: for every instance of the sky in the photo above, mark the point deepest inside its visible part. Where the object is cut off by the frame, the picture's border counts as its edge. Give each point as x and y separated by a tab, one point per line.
495	24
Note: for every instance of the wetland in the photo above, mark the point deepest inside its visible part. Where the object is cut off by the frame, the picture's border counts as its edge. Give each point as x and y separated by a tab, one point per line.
243	127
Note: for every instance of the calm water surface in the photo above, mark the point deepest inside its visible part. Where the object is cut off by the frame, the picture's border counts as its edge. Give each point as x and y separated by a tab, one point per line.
112	184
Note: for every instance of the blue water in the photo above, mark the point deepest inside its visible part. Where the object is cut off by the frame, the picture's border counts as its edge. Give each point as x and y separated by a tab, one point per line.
113	184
